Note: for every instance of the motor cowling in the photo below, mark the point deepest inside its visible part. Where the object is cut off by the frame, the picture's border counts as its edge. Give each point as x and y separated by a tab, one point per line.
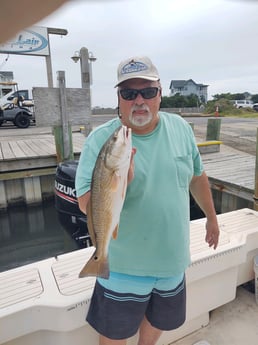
69	214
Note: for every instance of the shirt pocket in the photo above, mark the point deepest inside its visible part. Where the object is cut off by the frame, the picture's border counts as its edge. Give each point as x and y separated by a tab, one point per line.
184	170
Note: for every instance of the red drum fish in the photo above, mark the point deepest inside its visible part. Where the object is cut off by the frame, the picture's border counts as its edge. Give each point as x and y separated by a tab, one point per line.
108	190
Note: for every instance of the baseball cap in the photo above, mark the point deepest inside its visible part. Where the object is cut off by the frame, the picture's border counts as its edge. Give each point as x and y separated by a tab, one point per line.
136	67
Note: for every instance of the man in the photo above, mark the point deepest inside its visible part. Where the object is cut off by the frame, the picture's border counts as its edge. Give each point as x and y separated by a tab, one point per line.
146	288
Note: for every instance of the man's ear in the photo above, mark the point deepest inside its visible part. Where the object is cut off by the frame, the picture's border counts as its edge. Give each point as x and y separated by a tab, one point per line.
118	109
160	93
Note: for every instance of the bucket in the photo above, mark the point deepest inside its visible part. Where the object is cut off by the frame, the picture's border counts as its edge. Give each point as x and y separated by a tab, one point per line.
256	277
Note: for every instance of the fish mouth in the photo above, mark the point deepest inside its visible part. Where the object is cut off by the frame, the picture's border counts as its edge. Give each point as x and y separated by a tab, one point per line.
126	132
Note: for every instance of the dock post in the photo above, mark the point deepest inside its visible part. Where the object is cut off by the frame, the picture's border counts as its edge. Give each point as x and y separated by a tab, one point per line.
213	129
256	176
59	142
63	131
32	190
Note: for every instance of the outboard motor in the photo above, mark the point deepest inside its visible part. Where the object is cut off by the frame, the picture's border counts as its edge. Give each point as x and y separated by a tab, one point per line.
70	216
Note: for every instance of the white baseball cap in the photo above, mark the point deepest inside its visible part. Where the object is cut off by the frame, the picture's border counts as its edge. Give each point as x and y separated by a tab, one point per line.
136	67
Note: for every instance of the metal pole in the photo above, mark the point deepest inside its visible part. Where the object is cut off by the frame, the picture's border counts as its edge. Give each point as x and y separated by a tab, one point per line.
85	79
85	70
49	70
49	66
53	31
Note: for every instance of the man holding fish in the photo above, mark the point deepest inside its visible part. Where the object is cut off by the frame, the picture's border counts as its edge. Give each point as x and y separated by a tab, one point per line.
134	177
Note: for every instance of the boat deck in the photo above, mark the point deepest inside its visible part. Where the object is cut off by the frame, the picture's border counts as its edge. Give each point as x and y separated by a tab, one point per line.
233	323
35	296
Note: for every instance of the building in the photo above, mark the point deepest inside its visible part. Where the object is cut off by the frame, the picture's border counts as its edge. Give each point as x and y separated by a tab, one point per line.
5	78
188	87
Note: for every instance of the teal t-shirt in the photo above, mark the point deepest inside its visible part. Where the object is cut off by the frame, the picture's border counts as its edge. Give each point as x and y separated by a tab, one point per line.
153	237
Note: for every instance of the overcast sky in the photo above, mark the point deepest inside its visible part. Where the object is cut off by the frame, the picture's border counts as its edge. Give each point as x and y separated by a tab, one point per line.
213	42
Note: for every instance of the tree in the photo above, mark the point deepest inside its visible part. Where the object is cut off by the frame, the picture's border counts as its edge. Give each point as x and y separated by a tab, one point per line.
230	96
193	101
222	95
224	105
254	98
166	102
179	101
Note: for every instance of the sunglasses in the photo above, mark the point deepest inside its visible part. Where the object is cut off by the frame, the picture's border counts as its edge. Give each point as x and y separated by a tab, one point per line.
131	94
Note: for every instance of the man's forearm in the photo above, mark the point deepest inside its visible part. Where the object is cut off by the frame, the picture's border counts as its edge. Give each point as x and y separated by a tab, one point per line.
83	201
200	190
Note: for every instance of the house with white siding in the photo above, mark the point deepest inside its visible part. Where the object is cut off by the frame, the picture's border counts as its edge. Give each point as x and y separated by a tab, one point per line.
5	78
188	87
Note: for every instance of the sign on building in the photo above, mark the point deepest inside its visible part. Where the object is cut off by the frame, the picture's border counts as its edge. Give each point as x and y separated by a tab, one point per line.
31	41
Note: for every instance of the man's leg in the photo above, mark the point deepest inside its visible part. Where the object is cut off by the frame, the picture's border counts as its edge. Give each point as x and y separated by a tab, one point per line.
118	306
107	341
148	335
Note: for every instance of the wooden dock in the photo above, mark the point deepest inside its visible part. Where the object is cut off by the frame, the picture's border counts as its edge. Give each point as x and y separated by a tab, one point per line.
27	167
28	163
32	152
232	178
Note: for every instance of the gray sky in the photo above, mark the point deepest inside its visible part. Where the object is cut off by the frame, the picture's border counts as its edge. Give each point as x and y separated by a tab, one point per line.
213	42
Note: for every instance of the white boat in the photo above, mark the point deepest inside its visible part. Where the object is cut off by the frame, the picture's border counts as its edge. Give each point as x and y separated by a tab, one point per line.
46	303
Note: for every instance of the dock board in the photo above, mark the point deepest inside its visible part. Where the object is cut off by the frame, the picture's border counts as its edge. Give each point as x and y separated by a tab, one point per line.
231	171
32	152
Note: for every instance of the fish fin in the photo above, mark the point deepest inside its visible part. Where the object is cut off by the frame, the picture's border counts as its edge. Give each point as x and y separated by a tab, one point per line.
95	267
90	223
124	189
115	179
115	232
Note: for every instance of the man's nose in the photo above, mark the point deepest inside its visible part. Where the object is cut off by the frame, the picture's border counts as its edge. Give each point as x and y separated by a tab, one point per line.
139	99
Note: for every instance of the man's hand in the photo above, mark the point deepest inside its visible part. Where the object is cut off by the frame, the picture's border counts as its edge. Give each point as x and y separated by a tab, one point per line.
201	192
212	233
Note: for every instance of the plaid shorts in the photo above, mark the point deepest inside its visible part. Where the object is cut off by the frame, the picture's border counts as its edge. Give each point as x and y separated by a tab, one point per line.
119	304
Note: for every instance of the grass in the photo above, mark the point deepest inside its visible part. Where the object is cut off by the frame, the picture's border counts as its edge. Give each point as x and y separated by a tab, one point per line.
240	113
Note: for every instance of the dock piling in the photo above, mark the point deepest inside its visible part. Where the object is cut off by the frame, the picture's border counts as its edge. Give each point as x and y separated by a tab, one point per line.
213	129
63	131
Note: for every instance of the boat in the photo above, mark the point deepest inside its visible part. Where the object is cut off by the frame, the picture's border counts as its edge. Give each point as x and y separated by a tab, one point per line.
46	303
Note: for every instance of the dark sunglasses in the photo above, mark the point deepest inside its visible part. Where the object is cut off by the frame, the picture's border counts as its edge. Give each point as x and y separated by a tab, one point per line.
131	94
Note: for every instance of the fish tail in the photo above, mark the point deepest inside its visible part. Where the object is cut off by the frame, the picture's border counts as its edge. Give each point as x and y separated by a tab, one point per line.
97	267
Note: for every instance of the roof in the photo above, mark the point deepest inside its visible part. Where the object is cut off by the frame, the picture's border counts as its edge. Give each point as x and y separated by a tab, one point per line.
6	75
8	83
182	83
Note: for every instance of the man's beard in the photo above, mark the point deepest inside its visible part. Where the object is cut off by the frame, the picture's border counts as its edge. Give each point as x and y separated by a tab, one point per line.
140	120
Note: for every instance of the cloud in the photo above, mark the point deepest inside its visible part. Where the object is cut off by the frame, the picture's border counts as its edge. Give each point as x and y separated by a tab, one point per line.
212	42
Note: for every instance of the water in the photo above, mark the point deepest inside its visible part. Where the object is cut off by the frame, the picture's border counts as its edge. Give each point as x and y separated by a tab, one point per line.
29	234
